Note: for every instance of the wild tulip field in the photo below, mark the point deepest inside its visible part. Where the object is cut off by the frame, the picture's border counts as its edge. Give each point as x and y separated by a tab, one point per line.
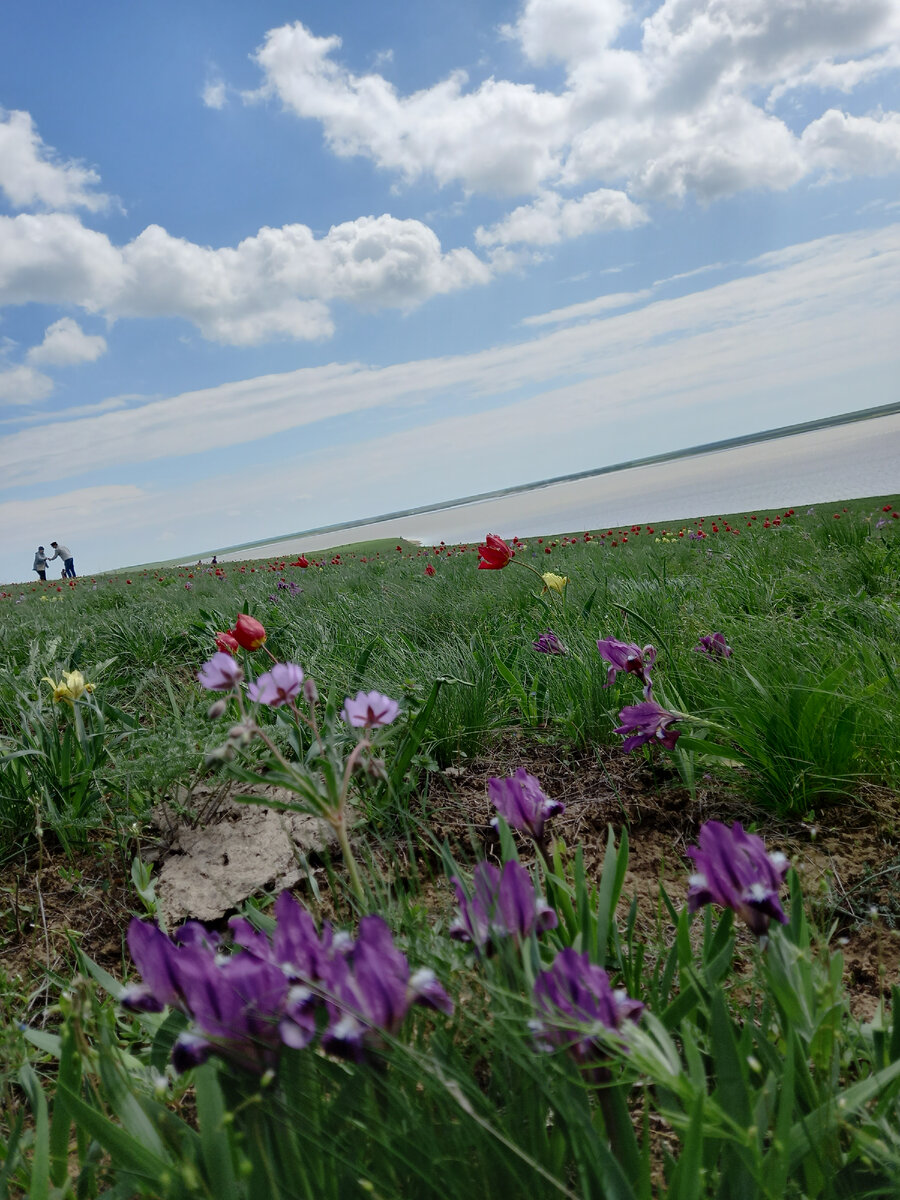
484	982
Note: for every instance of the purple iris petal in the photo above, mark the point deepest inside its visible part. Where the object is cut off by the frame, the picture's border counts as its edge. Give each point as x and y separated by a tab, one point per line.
221	673
522	803
369	710
190	1050
628	657
647	722
573	998
370	992
502	905
549	643
714	645
157	959
278	686
734	870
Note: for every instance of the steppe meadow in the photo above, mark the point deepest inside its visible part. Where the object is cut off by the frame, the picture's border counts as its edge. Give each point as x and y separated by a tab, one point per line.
596	896
461	759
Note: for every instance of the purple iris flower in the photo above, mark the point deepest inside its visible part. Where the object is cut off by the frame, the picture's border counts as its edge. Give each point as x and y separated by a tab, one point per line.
369	710
522	803
502	905
221	673
575	1000
734	869
236	1006
647	722
628	657
235	1003
549	643
278	686
714	645
370	991
269	992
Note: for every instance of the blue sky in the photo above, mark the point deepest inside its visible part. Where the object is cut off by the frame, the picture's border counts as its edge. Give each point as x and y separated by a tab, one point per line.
269	266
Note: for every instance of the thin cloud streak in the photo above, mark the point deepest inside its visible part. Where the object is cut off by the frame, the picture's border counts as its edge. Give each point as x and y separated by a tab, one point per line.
792	314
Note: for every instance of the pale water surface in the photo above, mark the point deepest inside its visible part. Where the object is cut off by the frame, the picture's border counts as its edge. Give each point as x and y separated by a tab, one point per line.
839	463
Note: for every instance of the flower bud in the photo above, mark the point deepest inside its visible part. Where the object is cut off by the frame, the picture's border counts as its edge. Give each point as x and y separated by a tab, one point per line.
216	709
310	691
376	769
242	732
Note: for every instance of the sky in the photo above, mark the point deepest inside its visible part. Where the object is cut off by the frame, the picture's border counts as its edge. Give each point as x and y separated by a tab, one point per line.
270	266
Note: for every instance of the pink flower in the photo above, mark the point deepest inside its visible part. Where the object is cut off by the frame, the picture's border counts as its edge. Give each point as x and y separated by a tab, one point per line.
220	674
278	686
369	710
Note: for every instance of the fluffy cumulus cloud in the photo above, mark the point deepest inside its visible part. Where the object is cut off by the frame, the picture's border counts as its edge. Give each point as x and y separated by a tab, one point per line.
683	102
31	175
552	219
501	136
278	283
23	385
66	344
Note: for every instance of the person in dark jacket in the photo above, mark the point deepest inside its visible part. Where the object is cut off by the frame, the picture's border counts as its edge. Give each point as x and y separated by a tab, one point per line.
40	563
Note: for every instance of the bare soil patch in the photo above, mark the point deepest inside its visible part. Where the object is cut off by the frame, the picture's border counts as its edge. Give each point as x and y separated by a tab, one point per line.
849	861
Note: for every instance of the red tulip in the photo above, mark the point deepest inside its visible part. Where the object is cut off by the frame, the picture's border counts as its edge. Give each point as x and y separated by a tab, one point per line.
248	632
429	570
494	554
227	643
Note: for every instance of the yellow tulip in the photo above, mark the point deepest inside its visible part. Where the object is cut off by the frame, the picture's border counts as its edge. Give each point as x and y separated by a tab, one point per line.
555	583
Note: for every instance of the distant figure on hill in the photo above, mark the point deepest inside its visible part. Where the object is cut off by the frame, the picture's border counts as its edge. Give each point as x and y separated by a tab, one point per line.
40	563
65	554
215	561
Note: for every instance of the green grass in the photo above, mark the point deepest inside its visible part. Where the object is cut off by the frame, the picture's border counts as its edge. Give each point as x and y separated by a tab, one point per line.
747	1057
809	698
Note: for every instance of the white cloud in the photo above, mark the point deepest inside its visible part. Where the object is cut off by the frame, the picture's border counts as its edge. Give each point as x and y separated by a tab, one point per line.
65	344
23	385
552	219
31	175
846	145
278	283
589	308
840	76
567	31
679	112
502	137
70	414
809	313
51	258
214	94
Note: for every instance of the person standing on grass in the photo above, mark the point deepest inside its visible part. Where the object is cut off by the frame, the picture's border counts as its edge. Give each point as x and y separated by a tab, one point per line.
40	563
65	554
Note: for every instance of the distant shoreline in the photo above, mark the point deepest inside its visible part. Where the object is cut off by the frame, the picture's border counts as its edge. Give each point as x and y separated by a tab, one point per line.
865	414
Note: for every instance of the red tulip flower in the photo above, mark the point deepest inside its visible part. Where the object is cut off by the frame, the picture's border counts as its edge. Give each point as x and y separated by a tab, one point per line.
494	554
227	643
429	570
248	632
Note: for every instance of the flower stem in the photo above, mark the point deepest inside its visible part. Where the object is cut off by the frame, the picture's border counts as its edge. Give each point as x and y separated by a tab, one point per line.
339	825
